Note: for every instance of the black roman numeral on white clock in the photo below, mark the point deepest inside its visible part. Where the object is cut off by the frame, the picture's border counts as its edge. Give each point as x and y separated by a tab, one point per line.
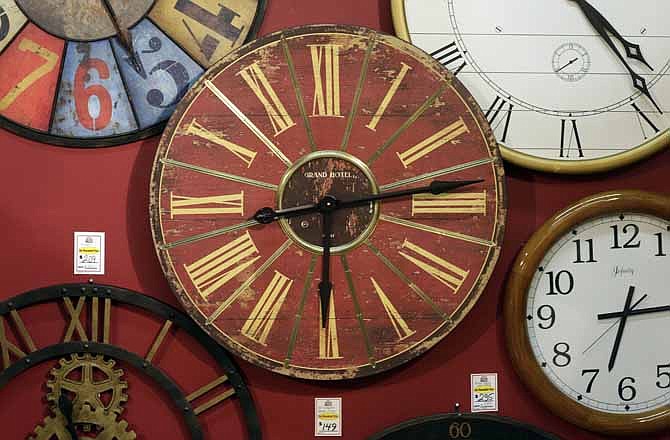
600	70
450	57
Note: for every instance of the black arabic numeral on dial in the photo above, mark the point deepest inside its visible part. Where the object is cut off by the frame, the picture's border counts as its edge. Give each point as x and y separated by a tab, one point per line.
626	229
660	374
594	372
629	391
660	252
562	283
561	355
589	251
544	316
4	24
221	23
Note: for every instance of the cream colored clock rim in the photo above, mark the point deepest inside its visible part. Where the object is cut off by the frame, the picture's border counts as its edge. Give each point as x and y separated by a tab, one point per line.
589	166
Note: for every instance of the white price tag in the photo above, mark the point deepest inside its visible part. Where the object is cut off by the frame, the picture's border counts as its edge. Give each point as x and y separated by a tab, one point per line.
328	417
89	253
484	392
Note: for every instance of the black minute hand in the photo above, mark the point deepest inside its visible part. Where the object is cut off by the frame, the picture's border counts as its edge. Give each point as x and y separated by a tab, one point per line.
604	29
269	215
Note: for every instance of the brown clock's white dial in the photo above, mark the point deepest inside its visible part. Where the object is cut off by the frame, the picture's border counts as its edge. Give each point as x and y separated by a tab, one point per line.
294	117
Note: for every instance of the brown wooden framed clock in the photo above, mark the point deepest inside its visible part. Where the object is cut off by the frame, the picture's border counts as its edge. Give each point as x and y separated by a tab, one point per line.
588	310
72	372
97	73
328	202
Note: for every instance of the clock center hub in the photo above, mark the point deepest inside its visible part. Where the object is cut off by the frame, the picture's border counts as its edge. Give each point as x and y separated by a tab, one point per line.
84	20
329	173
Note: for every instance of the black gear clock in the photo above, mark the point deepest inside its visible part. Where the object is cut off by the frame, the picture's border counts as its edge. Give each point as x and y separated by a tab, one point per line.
84	376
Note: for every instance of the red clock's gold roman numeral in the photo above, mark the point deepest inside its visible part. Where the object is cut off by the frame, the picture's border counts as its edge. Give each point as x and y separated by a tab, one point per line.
259	84
77	326
243	153
450	275
259	323
210	205
328	345
455	203
399	324
215	269
7	348
327	85
206	390
447	134
388	97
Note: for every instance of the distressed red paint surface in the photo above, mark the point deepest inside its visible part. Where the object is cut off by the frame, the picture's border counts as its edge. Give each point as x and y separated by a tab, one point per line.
386	348
32	107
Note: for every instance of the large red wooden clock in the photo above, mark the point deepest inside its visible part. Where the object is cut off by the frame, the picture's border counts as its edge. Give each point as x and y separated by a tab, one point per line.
330	120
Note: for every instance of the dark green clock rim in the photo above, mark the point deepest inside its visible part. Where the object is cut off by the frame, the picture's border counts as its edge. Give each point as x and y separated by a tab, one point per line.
144	303
461	418
116	140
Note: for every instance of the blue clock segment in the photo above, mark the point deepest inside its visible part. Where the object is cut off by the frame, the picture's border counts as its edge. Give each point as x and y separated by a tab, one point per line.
159	76
92	100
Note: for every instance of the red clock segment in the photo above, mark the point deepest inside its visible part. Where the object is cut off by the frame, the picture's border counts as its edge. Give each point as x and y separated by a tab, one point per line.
327	111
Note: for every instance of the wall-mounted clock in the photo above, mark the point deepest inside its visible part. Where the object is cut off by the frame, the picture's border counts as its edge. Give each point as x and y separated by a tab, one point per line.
569	86
587	311
284	122
106	72
82	373
462	426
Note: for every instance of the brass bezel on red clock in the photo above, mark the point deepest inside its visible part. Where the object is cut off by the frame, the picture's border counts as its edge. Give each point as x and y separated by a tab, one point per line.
320	111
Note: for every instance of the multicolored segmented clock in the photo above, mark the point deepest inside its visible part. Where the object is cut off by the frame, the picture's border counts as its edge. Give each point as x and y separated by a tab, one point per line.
85	73
328	202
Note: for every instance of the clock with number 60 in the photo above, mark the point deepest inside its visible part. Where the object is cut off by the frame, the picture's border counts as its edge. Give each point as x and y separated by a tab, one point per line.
83	73
588	312
328	202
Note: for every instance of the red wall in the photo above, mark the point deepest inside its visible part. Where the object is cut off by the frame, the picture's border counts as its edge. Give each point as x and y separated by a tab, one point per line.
50	192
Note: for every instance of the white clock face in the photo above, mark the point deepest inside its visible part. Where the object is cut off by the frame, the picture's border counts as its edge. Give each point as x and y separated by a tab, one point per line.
550	85
598	313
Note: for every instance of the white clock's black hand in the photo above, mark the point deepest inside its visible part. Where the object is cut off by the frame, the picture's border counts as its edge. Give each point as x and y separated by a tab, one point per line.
604	29
269	215
65	407
622	325
608	329
567	64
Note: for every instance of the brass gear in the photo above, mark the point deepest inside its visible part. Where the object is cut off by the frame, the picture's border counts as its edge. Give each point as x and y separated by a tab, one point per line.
54	428
86	388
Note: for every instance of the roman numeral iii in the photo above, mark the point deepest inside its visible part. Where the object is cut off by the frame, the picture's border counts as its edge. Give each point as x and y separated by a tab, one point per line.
455	203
